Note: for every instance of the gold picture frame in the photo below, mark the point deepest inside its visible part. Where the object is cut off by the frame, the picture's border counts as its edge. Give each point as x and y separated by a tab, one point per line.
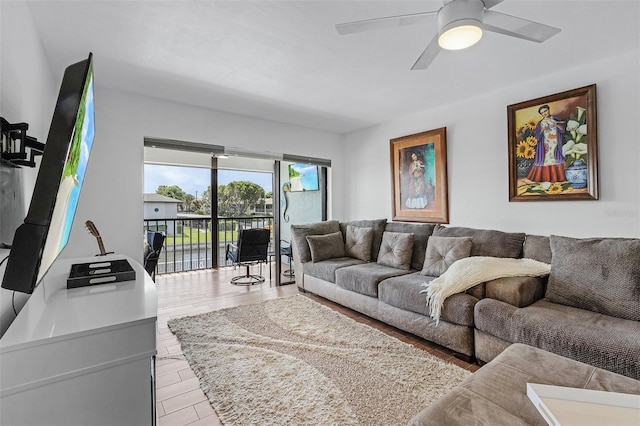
553	147
419	177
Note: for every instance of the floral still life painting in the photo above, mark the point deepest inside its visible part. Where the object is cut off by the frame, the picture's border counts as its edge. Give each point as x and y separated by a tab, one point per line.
553	147
419	170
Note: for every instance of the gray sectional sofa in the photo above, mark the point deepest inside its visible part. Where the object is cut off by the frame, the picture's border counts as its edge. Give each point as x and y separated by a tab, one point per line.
587	309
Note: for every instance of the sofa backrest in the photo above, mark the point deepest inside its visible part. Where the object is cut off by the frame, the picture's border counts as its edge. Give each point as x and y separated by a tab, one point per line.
421	233
598	274
486	242
537	247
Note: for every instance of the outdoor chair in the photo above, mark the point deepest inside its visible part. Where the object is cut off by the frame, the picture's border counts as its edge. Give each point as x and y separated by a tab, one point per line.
284	251
155	241
251	249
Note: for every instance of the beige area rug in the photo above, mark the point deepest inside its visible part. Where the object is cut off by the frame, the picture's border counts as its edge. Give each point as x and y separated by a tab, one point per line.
293	361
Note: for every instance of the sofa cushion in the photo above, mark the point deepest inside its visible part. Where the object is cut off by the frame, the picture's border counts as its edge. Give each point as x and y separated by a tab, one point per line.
299	234
421	233
600	340
516	291
404	292
326	246
537	247
442	252
486	242
358	242
364	278
377	225
326	270
395	250
598	274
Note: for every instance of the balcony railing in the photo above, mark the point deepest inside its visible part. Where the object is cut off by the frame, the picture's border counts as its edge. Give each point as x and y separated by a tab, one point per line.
189	244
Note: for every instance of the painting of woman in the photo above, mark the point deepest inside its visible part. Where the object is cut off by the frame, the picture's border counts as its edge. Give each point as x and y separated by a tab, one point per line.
417	198
548	165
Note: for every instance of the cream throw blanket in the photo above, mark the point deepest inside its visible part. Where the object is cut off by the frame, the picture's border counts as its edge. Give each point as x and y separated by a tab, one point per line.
465	273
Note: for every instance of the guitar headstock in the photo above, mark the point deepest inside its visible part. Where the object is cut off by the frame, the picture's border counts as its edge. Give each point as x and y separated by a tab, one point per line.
92	228
94	231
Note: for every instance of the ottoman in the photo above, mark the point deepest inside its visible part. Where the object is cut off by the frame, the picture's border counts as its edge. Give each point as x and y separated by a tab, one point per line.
496	394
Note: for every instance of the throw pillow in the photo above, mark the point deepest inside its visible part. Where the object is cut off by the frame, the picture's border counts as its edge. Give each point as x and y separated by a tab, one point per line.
377	225
299	235
326	246
395	250
442	252
358	242
421	233
598	274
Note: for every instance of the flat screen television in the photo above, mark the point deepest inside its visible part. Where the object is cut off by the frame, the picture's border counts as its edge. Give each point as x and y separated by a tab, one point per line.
45	232
303	177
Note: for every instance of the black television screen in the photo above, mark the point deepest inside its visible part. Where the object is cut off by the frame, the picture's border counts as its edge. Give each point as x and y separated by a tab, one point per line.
46	229
303	177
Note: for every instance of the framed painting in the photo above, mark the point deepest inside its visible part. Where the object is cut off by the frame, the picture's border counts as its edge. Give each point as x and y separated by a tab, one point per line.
553	147
419	177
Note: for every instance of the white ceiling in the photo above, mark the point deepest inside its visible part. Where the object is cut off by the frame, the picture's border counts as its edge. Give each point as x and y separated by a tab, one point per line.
284	60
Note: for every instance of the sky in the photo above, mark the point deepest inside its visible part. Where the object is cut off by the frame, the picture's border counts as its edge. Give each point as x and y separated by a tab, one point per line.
192	179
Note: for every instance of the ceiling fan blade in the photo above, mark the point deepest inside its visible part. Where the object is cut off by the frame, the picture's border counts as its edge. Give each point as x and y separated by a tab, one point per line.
387	22
428	55
488	4
517	27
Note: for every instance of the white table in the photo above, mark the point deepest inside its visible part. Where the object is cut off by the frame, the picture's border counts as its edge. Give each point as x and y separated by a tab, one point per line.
83	356
565	406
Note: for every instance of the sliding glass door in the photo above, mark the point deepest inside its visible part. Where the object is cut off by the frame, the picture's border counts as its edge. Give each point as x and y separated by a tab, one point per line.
244	189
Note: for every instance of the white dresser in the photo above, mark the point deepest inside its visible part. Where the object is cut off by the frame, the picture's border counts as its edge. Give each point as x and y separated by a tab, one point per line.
83	356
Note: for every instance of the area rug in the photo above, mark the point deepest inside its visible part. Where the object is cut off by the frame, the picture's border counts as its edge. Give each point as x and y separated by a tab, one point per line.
293	361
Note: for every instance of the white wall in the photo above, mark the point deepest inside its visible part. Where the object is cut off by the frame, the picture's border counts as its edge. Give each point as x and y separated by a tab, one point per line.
28	88
27	94
478	160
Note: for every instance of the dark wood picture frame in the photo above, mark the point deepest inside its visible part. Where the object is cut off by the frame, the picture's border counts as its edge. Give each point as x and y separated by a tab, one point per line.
553	147
419	177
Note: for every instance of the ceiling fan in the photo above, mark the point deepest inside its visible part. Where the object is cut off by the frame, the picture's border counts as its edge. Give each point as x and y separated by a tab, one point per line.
460	25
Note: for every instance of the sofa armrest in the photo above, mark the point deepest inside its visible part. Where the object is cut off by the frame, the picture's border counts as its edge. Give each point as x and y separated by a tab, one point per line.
297	264
516	291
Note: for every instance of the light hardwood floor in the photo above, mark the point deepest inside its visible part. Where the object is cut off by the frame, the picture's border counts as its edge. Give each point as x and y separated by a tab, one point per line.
179	399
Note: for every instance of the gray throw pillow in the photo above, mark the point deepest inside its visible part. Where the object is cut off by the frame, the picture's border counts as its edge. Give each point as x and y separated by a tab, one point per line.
395	250
421	233
442	252
358	242
377	225
598	274
299	235
326	246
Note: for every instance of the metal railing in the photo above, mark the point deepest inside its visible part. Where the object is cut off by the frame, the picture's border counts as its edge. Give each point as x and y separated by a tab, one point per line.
189	244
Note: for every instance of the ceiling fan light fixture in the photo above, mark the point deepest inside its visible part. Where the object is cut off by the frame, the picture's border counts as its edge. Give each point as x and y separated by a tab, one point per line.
460	35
